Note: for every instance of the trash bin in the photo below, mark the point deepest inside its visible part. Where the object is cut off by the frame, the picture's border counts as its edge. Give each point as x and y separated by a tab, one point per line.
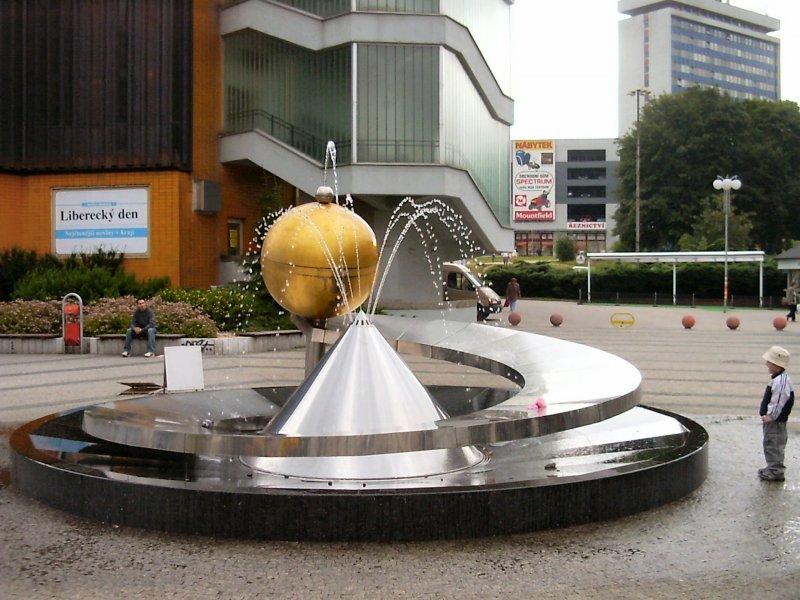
72	322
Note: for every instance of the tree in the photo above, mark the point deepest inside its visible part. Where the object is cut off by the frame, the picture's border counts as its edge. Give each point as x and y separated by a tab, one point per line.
708	230
687	139
565	248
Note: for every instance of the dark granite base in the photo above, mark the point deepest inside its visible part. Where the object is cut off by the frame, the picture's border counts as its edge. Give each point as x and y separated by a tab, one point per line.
55	462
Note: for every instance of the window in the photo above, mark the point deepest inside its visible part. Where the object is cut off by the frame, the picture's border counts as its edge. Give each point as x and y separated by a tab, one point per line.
533	243
591	173
589	191
586	212
234	238
586	155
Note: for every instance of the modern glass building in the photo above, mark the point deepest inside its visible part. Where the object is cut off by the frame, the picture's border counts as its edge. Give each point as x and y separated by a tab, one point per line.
187	107
412	92
666	46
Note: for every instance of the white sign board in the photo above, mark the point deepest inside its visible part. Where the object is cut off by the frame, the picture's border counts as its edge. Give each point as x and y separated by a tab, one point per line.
86	220
533	181
183	369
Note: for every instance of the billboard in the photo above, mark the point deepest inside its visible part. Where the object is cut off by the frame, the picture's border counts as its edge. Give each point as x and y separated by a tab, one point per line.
533	181
86	220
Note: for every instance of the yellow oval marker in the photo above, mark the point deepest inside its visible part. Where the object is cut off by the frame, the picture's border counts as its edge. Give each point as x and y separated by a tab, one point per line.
622	319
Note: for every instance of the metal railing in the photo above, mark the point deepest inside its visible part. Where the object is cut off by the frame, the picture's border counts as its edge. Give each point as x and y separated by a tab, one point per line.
668	299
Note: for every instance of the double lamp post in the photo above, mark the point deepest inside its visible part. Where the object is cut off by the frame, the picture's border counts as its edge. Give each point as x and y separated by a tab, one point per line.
726	184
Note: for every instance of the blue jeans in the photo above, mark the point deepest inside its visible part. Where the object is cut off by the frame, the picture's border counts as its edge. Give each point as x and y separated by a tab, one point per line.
151	339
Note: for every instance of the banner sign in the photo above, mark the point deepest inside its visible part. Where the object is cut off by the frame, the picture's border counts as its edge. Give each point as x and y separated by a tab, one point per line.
533	174
86	220
586	225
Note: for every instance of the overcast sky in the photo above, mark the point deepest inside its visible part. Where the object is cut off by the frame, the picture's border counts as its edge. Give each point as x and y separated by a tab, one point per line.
564	70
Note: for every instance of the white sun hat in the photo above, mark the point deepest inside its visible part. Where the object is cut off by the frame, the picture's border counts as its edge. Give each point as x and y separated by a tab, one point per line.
777	356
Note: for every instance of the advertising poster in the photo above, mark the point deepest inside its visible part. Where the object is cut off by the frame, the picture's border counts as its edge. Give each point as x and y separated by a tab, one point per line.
533	174
86	220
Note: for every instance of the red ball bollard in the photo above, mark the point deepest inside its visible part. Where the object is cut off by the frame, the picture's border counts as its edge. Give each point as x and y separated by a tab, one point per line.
732	322
779	323
514	318
556	319
687	321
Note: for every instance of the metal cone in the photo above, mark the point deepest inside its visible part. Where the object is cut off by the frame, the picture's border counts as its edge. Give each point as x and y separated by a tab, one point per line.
361	386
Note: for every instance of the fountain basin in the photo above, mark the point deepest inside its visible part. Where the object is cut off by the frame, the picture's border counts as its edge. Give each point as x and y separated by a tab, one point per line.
200	462
633	462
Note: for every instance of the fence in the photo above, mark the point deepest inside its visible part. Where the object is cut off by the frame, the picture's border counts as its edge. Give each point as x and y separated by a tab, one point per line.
667	299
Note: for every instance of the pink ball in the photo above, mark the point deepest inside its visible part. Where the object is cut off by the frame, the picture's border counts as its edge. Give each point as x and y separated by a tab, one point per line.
732	322
556	319
779	323
514	318
688	321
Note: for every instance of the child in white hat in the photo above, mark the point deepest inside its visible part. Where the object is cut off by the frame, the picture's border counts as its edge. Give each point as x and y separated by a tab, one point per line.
775	408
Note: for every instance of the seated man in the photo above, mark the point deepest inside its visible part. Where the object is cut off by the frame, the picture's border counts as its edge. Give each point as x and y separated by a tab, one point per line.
143	322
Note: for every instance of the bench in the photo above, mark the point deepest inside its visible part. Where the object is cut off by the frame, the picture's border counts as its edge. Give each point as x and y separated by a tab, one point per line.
114	343
31	343
268	341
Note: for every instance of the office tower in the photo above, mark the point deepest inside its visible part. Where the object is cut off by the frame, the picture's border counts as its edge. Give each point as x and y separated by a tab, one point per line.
666	46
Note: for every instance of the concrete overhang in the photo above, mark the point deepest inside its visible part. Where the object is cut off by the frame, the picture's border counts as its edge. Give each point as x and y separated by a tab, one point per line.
381	185
316	33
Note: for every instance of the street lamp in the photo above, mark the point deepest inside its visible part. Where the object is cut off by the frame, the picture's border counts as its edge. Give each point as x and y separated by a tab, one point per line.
639	92
726	184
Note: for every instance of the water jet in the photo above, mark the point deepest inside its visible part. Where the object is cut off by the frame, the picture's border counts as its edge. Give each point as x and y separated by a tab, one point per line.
361	450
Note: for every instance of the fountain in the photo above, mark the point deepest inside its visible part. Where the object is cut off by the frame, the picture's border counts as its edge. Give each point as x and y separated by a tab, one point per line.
361	450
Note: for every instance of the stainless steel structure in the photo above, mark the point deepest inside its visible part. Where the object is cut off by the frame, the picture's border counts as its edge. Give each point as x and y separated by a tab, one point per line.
361	451
580	386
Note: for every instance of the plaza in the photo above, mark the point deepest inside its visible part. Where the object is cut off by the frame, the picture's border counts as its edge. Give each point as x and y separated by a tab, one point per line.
735	537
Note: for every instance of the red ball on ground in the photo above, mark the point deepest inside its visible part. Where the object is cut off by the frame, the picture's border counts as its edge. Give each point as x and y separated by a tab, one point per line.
688	321
514	318
556	319
732	322
779	323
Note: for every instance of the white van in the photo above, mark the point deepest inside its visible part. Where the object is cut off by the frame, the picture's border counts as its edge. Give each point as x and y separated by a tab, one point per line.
459	283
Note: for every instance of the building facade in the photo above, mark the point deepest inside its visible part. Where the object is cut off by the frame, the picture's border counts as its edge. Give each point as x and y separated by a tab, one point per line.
155	127
564	187
666	46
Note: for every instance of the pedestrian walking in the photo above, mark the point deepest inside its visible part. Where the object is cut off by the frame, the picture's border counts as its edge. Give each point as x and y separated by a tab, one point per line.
513	292
791	301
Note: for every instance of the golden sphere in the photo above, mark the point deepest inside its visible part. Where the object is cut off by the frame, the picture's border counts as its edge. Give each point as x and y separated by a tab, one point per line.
311	246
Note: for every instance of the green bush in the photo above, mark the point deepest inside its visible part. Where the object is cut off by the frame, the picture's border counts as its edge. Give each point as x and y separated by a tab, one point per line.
33	316
565	249
230	308
15	264
91	283
199	327
704	280
537	280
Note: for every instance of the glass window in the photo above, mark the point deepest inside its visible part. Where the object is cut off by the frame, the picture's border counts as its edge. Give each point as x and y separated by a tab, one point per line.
275	87
589	173
589	191
586	155
398	104
234	238
586	212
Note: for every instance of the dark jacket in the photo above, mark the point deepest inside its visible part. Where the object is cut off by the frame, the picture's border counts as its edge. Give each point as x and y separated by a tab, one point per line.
146	319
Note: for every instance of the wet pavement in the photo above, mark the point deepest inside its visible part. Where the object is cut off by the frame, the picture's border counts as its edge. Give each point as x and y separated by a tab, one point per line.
735	537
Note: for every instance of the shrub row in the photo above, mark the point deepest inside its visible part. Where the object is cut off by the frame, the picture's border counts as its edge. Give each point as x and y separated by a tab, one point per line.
704	280
25	275
108	315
